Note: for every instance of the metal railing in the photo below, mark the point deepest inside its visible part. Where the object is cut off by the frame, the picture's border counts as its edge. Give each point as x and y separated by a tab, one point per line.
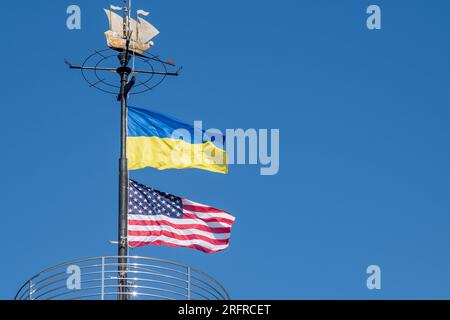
97	279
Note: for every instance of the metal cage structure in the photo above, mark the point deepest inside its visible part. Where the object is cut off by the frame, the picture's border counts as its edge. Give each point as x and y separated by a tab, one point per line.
96	279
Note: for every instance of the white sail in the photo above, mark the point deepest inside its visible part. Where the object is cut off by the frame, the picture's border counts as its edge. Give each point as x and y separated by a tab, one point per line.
135	28
146	31
115	22
143	13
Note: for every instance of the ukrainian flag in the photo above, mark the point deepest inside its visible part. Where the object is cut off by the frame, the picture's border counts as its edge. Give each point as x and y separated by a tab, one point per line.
158	141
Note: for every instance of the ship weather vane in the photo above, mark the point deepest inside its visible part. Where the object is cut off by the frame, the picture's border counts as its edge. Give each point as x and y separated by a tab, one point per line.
128	39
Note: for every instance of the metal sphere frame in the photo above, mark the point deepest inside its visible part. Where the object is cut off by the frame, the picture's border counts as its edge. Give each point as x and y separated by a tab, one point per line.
94	69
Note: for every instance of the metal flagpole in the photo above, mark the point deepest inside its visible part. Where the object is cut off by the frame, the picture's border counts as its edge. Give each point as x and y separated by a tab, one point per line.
124	72
126	84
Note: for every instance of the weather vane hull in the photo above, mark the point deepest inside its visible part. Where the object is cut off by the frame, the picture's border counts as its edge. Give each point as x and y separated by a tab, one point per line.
118	43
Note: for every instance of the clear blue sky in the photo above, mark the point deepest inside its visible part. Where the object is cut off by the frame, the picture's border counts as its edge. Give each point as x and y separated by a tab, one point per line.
365	160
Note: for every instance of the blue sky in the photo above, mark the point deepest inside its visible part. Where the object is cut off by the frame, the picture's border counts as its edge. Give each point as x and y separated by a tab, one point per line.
364	164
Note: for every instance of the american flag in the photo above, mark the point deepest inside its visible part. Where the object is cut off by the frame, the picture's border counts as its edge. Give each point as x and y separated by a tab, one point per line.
159	218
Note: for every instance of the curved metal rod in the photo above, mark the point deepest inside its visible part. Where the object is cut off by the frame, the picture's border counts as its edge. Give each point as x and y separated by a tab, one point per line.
139	265
208	285
115	286
156	281
156	274
212	280
128	294
219	297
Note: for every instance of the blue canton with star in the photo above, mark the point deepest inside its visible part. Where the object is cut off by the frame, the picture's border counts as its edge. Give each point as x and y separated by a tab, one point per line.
144	200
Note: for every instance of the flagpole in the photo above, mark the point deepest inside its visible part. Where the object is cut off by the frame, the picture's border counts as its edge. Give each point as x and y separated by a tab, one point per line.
124	71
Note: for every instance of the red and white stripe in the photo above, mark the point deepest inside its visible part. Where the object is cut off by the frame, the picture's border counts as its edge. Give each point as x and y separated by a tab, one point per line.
202	227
